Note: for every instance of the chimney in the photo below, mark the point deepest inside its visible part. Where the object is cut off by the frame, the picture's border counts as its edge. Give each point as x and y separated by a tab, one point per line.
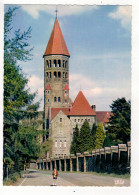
93	107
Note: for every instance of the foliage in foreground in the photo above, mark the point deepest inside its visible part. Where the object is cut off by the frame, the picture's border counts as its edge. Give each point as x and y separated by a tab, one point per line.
21	142
119	128
99	136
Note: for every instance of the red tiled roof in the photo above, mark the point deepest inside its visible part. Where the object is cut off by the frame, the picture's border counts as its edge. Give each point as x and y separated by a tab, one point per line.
56	43
103	116
48	87
66	87
70	101
55	111
81	107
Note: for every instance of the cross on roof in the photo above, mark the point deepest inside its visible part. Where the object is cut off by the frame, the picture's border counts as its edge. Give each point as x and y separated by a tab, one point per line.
56	12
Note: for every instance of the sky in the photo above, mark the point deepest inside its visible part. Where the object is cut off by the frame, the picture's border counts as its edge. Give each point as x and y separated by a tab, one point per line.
99	42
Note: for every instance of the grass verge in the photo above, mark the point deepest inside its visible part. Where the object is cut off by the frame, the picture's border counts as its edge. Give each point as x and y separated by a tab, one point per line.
13	178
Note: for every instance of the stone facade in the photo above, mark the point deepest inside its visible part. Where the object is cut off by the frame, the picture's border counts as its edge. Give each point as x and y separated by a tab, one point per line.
61	135
79	120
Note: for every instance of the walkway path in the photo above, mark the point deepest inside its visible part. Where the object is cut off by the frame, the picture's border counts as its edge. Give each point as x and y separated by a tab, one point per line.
44	178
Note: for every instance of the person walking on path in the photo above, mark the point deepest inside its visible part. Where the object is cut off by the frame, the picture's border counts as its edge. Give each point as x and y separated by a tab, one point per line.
55	175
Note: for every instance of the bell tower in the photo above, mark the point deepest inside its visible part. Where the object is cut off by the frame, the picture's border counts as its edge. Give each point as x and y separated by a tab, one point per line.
56	73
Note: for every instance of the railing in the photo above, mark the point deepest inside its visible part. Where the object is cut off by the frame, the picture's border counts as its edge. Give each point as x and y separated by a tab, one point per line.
114	159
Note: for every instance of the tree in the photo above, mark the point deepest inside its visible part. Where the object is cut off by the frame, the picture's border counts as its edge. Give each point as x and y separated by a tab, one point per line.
17	97
99	136
93	133
120	122
85	137
75	141
108	142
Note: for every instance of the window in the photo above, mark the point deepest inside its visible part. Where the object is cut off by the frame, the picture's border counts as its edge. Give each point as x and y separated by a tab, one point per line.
63	74
59	63
63	63
60	119
75	120
49	74
66	75
65	144
81	120
58	99
50	63
66	64
48	91
78	120
56	143
55	74
65	101
59	74
65	91
54	99
47	63
55	63
88	120
48	100
60	144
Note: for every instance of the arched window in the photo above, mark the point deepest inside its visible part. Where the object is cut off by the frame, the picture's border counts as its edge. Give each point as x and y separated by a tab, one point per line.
59	99
49	63
66	75
65	143
66	63
63	63
59	74
54	99
59	63
49	74
60	145
55	63
48	100
55	74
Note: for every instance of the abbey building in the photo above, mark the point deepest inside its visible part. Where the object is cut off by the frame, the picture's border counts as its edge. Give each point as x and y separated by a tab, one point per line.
61	114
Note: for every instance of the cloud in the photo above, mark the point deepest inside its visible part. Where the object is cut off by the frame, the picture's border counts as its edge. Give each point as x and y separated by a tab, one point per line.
37	84
124	14
95	92
34	10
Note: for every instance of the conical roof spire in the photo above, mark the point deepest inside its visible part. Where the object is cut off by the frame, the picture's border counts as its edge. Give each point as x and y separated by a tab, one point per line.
81	107
56	44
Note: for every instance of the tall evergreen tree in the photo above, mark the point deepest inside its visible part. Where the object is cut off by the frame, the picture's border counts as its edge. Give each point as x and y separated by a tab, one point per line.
85	137
17	98
120	122
99	136
93	133
75	141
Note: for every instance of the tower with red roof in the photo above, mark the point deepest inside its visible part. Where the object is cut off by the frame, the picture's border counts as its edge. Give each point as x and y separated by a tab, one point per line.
56	73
